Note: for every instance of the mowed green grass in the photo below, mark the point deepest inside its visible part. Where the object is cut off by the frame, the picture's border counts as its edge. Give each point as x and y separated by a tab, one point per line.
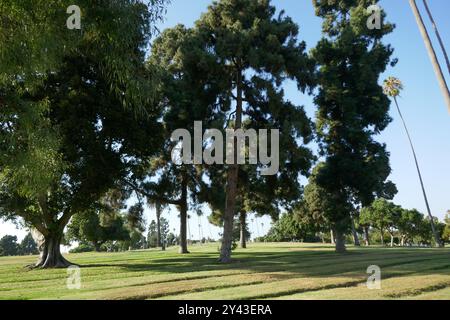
263	271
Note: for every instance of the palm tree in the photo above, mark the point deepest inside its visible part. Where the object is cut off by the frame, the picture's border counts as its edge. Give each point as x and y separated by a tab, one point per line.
438	35
432	53
392	88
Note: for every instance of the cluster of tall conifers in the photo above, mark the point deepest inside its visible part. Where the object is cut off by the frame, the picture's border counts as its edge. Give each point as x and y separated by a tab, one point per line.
86	112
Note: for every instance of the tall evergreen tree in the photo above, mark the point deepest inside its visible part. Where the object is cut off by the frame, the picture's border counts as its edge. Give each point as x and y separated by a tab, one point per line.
255	52
351	108
28	246
188	93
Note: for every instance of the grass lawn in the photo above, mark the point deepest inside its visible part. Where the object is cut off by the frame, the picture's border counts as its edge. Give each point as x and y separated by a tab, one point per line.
264	271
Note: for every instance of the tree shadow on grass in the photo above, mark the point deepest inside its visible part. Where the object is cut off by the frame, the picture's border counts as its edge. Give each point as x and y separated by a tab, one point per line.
308	263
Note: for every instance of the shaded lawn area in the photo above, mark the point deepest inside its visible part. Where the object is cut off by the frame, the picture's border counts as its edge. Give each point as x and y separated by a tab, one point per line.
264	271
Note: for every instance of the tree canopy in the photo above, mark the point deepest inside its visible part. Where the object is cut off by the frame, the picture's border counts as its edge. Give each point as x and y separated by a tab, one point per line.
351	108
255	51
77	118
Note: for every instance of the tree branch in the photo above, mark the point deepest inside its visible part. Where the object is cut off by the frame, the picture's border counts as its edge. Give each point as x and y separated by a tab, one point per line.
150	196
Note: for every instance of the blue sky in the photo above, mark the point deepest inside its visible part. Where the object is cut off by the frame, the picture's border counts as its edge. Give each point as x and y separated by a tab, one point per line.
422	103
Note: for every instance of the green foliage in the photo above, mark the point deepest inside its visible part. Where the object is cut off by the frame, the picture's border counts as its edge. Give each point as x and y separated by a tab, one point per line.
172	240
381	215
427	235
164	227
254	51
289	228
96	228
83	247
137	241
135	218
28	246
185	96
237	230
152	235
323	208
34	39
246	35
446	234
352	107
9	246
408	226
69	103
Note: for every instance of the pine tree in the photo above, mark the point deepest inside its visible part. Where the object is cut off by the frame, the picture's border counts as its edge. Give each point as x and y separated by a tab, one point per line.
351	108
188	93
255	51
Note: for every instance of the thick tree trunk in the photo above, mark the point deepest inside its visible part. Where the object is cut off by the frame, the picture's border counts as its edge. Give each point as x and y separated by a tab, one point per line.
228	219
51	256
340	242
355	234
183	229
332	237
232	185
382	237
183	218
242	224
366	236
392	241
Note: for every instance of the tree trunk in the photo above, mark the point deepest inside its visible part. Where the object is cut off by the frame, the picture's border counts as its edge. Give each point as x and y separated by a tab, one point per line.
96	246
158	224
332	237
242	224
355	234
427	204
382	237
366	236
51	256
392	240
232	184
432	54
438	35
340	242
183	217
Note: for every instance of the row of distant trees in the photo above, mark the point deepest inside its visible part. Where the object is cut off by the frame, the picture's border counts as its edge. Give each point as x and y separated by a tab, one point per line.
381	223
10	247
98	232
108	228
